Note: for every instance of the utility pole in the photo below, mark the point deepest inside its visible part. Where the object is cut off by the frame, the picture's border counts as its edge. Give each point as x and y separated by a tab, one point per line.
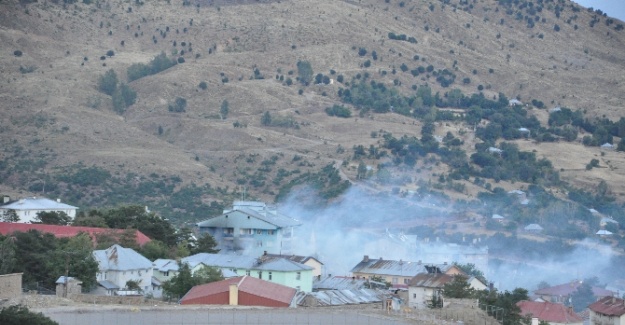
66	274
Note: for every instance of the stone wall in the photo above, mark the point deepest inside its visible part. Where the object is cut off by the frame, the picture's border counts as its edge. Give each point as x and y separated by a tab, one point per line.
10	285
107	300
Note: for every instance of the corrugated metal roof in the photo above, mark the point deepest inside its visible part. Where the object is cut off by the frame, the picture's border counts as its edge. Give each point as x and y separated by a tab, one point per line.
339	283
67	231
165	265
61	279
340	297
609	306
295	258
272	217
398	268
549	312
37	203
430	280
108	285
245	262
248	284
118	258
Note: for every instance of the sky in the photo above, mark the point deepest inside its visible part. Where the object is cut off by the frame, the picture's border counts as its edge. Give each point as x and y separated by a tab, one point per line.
614	8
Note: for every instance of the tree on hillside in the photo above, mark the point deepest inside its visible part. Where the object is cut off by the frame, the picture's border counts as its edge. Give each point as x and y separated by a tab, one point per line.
53	218
224	110
266	119
305	72
136	217
107	83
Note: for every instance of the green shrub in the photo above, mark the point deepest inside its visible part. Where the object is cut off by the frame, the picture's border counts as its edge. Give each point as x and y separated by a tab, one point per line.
339	111
107	83
203	85
179	105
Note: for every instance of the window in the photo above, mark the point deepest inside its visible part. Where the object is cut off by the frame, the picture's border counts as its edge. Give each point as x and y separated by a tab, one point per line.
298	276
394	280
259	243
405	281
260	274
270	276
247	272
166	273
229	231
298	288
259	231
245	231
414	295
271	232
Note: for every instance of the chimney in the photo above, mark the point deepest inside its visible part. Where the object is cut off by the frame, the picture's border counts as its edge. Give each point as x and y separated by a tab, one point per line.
233	295
366	258
264	253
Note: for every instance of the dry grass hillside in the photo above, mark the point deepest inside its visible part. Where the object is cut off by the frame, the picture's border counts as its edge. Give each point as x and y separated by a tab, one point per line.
54	116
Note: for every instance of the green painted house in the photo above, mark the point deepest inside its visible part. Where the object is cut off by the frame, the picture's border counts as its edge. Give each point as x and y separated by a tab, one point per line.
274	269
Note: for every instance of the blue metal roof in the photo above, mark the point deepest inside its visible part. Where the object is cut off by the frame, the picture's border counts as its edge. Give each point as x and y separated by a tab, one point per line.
118	258
244	262
37	203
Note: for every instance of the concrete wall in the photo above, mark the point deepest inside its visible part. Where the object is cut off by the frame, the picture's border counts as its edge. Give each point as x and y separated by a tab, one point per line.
10	285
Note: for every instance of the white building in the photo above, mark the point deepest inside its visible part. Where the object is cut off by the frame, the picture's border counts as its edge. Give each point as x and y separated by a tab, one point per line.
118	265
28	208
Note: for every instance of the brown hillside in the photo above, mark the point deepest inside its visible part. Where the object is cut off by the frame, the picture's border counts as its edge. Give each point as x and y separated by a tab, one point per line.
50	113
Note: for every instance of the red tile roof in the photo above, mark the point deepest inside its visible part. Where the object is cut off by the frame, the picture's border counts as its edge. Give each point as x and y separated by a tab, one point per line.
609	306
549	312
247	284
568	288
67	231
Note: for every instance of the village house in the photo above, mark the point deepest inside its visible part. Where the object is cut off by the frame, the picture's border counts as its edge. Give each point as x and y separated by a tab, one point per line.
273	269
118	265
71	231
28	208
251	228
562	293
398	273
241	291
607	311
552	313
424	288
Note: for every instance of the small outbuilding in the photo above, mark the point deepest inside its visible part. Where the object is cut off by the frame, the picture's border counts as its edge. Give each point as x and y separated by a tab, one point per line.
534	228
243	291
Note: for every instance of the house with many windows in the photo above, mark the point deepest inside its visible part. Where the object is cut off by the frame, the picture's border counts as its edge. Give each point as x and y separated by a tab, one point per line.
607	311
251	228
27	209
273	269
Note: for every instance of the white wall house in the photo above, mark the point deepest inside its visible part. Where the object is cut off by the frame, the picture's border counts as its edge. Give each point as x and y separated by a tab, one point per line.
118	265
27	208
